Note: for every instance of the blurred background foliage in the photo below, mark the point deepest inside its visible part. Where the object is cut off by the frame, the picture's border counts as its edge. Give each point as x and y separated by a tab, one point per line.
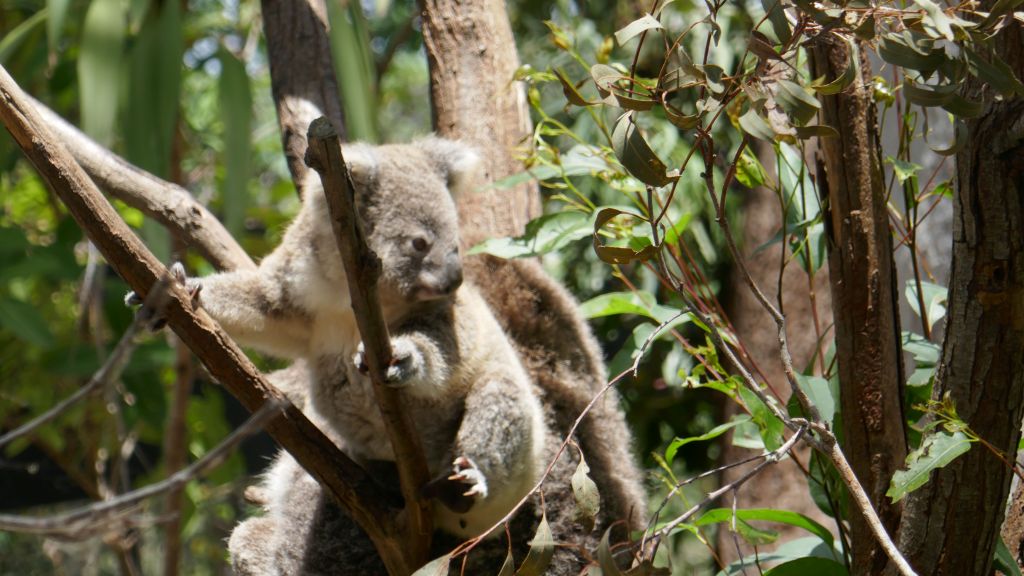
183	90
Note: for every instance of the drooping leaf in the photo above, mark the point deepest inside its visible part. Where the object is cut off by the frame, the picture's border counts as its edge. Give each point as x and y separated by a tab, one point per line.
353	62
768	425
936	19
620	254
749	170
821	393
928	94
937	450
753	124
436	567
637	27
605	559
776	14
796	101
995	73
640	303
636	155
236	110
675	445
1003	559
588	499
15	38
959	141
903	50
548	233
572	94
542	548
846	79
508	568
100	65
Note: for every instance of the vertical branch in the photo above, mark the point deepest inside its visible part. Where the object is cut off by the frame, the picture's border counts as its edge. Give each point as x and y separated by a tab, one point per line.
950	525
362	267
864	302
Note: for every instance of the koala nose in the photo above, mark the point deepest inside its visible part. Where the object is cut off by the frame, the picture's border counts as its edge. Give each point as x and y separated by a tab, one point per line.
452	272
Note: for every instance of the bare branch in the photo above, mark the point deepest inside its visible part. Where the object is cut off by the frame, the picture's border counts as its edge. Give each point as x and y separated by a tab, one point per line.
88	520
167	203
362	268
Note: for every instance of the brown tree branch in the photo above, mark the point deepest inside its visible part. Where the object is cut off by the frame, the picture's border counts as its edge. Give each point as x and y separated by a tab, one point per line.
171	205
349	484
362	268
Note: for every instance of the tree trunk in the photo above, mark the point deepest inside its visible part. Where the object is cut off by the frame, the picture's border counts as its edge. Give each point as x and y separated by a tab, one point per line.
950	525
472	58
864	302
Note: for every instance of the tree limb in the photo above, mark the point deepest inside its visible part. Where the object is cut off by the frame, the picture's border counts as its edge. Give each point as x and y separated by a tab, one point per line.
349	484
362	268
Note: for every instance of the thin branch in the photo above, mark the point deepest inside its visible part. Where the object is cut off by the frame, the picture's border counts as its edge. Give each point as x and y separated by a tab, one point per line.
362	268
88	520
108	372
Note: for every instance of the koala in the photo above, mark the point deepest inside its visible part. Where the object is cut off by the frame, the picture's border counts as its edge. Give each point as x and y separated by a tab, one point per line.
468	395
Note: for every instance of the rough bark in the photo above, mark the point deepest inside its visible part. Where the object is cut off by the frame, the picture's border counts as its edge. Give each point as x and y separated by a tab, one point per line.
472	57
864	303
950	525
302	75
353	488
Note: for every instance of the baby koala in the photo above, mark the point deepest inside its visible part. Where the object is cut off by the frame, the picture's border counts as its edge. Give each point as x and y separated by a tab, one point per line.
470	400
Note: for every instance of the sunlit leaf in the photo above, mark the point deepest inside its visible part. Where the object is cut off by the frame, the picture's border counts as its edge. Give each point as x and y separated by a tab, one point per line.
542	548
926	353
753	124
436	567
719	515
749	170
543	235
768	425
673	448
935	298
640	303
936	18
820	392
937	450
902	169
588	499
508	568
636	27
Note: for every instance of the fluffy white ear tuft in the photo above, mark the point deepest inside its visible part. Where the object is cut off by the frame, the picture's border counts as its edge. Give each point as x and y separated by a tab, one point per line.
460	163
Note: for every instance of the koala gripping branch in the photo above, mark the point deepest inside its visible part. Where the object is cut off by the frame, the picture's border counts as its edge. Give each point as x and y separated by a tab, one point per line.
362	267
350	485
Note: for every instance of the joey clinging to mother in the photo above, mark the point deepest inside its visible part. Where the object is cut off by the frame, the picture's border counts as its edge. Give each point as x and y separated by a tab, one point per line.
463	385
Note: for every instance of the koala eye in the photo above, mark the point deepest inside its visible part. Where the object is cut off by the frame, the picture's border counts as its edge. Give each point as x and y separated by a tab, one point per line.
420	244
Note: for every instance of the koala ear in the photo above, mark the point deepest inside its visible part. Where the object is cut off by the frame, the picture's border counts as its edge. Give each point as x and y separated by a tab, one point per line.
459	163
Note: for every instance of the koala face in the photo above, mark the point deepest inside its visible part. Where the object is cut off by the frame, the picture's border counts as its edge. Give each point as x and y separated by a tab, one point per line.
404	197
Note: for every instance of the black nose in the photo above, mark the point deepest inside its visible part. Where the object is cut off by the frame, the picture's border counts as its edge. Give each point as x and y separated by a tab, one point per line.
453	272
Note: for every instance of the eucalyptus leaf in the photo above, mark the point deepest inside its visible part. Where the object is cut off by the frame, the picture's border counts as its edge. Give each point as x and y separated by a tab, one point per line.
16	37
637	27
542	548
235	98
588	499
636	155
937	450
605	559
935	299
100	67
436	567
805	566
753	124
796	101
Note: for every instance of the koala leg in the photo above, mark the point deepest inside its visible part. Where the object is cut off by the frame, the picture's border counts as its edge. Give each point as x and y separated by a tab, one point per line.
249	547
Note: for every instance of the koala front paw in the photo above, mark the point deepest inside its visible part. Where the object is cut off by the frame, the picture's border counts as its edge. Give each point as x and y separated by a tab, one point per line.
158	320
406	362
466	472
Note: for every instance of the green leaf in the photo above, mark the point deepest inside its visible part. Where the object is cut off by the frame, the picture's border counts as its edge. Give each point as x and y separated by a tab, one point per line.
788	551
936	18
959	141
820	392
436	567
236	110
543	235
904	51
640	303
508	568
995	73
720	515
937	450
768	425
354	67
588	499
542	548
673	448
1003	559
605	559
805	566
24	321
903	169
925	353
636	27
749	170
15	38
963	108
928	94
636	155
796	101
935	298
775	12
640	248
100	64
569	89
754	125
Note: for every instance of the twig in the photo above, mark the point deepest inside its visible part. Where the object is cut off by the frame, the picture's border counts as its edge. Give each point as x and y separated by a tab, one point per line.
109	371
362	268
343	478
87	520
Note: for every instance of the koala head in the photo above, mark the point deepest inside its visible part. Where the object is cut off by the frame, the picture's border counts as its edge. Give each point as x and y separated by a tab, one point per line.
407	212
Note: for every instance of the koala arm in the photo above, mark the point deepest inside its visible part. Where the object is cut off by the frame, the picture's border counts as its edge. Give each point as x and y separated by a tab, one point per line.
423	350
256	311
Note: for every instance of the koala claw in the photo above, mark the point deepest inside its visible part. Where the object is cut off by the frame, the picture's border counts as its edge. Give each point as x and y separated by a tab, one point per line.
466	472
192	286
403	362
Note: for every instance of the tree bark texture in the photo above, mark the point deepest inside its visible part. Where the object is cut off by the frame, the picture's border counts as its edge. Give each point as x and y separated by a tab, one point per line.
302	74
864	302
950	525
472	57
